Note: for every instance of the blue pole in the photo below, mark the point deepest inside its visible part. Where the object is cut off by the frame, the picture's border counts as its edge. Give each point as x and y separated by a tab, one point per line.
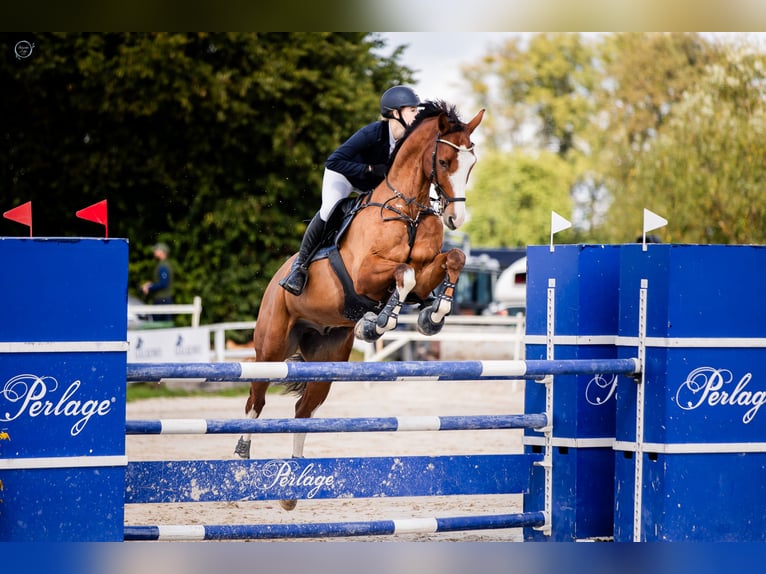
333	529
235	426
356	371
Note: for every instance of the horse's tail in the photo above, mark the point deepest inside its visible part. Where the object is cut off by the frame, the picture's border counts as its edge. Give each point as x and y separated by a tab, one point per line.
294	387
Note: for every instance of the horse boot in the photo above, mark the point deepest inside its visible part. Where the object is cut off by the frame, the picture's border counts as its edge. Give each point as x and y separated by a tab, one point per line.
296	279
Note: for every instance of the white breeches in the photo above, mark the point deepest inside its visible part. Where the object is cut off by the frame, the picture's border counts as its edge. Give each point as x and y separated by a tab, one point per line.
335	187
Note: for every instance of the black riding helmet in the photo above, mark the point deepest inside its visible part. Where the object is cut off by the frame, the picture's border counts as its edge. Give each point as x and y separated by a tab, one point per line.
396	98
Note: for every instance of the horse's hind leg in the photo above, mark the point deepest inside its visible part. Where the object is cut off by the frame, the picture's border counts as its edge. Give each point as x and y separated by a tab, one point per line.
253	408
333	346
431	318
312	398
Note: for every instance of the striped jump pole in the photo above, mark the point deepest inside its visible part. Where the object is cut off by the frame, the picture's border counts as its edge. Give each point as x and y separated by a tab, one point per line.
330	425
194	532
391	371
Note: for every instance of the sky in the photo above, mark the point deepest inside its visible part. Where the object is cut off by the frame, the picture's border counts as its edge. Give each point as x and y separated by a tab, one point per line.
437	57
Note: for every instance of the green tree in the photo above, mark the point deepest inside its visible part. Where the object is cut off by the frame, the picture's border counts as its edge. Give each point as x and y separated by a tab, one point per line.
539	93
214	143
646	76
540	85
513	196
705	170
671	122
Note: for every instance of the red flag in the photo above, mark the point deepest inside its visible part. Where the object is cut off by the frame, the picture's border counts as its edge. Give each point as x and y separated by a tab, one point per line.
96	213
21	214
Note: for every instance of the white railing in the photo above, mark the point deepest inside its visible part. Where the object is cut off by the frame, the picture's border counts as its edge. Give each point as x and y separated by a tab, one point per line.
220	352
194	309
507	332
466	331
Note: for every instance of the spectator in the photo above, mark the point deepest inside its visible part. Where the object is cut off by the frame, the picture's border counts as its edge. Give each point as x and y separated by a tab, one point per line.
160	291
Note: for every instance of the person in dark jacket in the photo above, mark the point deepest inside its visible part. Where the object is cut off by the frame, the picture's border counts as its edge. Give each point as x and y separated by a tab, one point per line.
160	291
359	164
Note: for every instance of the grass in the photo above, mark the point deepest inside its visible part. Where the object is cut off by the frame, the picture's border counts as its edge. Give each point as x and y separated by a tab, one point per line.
139	391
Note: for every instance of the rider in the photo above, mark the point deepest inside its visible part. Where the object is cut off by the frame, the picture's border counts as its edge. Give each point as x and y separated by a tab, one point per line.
358	164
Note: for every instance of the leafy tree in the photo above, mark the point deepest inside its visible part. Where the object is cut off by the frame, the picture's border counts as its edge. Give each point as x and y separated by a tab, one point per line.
214	143
513	196
672	122
539	93
541	85
706	168
646	75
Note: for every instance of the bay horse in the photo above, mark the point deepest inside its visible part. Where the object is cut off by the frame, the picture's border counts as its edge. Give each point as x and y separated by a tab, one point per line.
391	250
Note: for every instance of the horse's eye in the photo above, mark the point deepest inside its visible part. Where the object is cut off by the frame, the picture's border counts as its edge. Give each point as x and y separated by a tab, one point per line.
443	163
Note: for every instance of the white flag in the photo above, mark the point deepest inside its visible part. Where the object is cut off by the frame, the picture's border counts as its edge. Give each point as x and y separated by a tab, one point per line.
653	221
558	223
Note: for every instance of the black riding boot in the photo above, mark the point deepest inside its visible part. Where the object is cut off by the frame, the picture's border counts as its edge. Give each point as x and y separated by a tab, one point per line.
296	279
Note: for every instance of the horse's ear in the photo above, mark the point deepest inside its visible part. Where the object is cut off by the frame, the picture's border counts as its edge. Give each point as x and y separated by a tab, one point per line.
443	123
475	121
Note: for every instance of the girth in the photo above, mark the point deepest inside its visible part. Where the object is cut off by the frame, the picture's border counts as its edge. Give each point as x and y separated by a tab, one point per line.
355	305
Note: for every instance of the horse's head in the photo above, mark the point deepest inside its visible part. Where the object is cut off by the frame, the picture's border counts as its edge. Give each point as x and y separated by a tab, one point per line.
437	145
451	161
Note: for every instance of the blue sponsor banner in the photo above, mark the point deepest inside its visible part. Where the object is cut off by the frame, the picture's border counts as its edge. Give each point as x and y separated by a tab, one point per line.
696	471
705	365
707	291
62	388
585	321
62	404
587	282
692	497
698	395
307	478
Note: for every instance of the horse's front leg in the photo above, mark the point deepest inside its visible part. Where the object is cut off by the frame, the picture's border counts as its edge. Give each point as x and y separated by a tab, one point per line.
431	318
370	327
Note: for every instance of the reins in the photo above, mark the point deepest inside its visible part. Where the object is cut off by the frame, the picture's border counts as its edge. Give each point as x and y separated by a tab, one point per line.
422	210
412	223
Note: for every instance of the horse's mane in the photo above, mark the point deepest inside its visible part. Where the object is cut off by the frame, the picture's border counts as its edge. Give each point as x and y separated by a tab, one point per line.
431	109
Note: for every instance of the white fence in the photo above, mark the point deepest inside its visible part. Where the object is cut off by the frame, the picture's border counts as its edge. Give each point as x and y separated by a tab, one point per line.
194	309
463	336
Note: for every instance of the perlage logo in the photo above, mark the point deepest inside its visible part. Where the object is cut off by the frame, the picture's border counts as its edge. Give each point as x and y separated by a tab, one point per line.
600	389
35	396
708	386
284	474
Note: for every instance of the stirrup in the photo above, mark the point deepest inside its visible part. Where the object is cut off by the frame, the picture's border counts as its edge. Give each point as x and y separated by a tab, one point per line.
295	281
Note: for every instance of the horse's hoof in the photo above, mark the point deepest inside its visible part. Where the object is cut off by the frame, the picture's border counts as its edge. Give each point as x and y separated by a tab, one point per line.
366	328
242	450
288	504
426	326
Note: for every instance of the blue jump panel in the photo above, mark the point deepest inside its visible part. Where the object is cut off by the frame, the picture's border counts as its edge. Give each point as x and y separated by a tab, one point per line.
700	456
319	478
585	322
62	389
